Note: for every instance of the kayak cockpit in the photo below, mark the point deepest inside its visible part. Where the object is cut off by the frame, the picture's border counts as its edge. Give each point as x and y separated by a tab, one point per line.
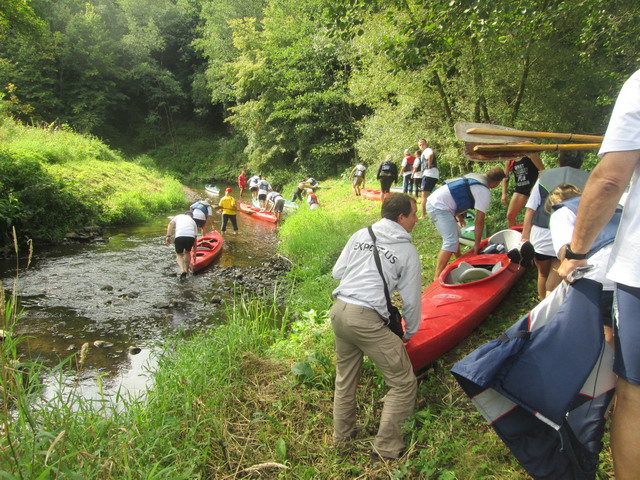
490	262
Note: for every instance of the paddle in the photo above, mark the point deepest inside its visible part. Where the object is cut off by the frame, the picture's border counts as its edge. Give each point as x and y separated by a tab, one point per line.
530	148
501	154
488	133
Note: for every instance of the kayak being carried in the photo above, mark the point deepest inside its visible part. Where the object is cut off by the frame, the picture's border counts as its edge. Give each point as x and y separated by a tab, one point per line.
208	248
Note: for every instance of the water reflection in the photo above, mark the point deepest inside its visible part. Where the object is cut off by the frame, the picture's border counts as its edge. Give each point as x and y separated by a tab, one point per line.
124	293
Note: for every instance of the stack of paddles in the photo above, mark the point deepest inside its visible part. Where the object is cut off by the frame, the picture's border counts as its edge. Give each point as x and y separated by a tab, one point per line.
485	142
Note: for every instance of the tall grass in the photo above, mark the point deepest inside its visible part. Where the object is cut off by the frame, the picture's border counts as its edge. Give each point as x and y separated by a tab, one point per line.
180	430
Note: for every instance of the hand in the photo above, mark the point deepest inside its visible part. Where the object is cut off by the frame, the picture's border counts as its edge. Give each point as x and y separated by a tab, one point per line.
475	249
567	266
504	199
167	240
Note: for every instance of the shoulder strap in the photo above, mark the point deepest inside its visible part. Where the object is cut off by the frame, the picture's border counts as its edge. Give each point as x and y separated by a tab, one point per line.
376	257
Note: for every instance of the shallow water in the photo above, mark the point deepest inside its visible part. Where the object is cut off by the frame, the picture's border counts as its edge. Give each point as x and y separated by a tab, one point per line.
126	293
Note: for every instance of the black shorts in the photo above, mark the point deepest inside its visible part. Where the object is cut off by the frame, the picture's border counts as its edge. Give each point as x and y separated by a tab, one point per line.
184	243
542	257
428	183
385	184
200	223
262	196
279	206
526	190
253	189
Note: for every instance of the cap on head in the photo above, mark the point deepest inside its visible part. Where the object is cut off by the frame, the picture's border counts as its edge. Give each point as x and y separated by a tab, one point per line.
407	151
228	190
309	190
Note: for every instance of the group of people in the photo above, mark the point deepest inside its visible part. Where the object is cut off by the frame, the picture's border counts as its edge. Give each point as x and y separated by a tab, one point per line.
571	220
184	227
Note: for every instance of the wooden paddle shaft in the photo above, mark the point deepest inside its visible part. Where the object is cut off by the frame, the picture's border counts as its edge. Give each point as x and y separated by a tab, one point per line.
535	148
523	133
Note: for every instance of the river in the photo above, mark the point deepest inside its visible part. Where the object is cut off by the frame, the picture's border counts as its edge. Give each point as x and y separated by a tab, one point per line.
123	297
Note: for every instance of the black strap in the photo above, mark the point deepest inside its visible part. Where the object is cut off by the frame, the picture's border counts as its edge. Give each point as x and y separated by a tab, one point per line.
376	257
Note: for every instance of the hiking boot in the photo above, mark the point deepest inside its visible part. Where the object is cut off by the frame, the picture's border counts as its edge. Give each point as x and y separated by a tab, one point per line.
375	457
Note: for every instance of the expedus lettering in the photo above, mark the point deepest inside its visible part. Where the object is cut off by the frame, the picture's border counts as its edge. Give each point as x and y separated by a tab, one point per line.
366	247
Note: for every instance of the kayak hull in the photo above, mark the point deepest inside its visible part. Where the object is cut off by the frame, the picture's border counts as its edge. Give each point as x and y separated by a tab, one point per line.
211	189
451	311
255	212
208	248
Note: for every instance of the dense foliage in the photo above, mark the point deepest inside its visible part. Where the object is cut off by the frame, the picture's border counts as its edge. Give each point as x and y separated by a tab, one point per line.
309	85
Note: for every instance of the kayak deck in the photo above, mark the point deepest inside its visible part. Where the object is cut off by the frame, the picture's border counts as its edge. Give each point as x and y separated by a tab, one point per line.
208	248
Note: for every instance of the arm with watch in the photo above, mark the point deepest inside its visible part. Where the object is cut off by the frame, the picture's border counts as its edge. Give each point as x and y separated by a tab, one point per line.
597	205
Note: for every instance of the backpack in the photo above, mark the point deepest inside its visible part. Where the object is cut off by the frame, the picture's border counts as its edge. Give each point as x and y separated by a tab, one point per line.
389	169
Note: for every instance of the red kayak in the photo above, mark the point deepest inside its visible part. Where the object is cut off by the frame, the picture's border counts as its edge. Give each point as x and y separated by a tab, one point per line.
257	213
462	297
370	194
208	248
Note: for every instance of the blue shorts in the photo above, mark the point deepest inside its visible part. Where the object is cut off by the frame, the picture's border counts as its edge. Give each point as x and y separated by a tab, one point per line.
626	327
447	227
428	184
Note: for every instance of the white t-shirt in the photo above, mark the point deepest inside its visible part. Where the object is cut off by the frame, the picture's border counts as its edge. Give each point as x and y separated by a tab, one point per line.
359	171
442	200
540	237
407	171
426	171
185	226
417	166
623	134
561	227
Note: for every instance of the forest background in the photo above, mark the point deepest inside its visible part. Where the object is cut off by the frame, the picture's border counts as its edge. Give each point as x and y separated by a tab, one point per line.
194	87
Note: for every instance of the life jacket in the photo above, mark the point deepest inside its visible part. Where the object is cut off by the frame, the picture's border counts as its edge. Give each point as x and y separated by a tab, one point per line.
360	169
202	207
550	179
434	163
607	235
314	198
460	189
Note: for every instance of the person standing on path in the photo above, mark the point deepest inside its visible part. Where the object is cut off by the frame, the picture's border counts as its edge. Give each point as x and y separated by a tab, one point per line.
229	211
186	231
359	319
430	173
619	166
406	170
525	170
387	174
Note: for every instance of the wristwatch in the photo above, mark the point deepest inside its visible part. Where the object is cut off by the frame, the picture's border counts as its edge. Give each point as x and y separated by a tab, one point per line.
571	255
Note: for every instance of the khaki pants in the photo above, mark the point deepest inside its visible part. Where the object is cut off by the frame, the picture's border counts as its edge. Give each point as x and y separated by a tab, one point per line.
357	331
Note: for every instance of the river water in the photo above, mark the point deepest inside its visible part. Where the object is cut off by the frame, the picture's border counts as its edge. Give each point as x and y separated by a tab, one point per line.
123	297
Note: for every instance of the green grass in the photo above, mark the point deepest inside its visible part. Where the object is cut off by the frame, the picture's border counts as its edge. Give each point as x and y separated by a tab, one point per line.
253	399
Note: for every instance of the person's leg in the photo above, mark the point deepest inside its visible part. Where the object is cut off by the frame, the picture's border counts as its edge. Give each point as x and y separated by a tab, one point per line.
544	266
234	222
225	220
348	371
553	279
449	230
441	263
625	431
516	204
423	205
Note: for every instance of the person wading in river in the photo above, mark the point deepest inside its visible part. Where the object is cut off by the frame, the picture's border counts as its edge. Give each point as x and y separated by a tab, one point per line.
184	241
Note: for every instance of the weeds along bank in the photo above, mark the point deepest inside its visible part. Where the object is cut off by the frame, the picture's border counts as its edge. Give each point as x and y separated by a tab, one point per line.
54	181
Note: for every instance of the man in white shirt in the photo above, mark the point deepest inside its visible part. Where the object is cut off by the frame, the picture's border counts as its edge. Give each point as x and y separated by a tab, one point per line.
619	165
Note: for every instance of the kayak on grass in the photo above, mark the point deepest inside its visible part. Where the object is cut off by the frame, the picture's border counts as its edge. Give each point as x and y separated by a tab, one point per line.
208	248
462	297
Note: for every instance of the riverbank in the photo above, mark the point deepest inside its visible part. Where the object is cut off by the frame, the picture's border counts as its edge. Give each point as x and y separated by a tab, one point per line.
253	398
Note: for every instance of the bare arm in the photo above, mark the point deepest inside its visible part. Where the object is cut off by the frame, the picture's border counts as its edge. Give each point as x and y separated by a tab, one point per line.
599	201
537	162
505	183
479	226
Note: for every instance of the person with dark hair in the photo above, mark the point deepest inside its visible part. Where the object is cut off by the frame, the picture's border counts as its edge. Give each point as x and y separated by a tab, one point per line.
360	317
536	220
618	168
525	171
186	231
448	203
